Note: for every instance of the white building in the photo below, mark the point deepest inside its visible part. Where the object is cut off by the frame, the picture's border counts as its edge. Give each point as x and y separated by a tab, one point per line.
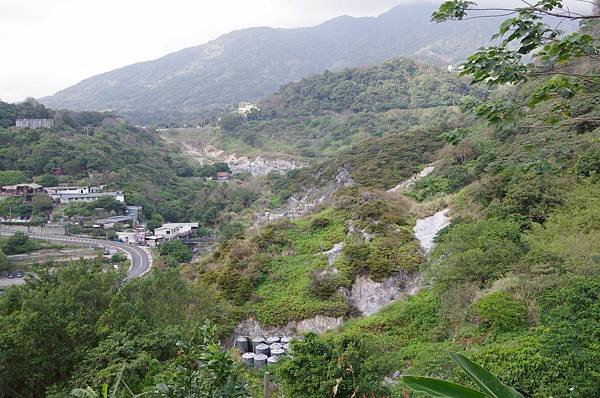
153	241
175	230
171	231
90	197
34	123
66	190
245	108
57	193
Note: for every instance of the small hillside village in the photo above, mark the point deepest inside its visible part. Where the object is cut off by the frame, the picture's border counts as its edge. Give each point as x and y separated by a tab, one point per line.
125	227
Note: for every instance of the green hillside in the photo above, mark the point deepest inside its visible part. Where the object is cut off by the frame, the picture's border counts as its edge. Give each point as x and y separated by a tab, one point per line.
328	113
101	149
280	273
513	282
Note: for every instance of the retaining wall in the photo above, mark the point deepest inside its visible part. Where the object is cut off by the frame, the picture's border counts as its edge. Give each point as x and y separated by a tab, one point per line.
37	229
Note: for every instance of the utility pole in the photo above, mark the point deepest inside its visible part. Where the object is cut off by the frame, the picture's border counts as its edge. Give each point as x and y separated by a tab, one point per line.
266	384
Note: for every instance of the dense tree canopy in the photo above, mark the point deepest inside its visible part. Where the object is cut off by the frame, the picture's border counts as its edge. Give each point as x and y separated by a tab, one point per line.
82	327
176	250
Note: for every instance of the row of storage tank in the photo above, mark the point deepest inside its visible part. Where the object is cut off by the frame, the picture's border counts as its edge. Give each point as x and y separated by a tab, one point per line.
259	352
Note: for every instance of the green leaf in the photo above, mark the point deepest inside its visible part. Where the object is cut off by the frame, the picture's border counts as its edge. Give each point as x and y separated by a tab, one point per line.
439	388
488	383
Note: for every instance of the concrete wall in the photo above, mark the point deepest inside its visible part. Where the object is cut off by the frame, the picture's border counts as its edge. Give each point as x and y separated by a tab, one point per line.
34	229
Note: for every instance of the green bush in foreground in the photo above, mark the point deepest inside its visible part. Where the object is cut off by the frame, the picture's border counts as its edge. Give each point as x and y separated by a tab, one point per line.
176	250
501	312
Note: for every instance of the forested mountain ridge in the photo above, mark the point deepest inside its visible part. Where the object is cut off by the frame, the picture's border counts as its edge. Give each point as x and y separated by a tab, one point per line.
398	83
9	113
250	64
327	113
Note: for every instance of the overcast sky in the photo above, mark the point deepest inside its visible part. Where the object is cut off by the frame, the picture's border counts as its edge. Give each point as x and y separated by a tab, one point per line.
47	45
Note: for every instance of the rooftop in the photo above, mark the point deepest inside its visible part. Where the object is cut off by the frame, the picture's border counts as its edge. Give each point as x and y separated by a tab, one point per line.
32	186
90	195
179	224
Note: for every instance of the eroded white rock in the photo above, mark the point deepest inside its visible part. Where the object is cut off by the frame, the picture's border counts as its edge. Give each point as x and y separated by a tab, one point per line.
370	297
318	324
334	253
408	183
426	229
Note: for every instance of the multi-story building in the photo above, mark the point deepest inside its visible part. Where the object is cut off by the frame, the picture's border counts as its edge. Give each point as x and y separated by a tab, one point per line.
34	123
69	194
90	197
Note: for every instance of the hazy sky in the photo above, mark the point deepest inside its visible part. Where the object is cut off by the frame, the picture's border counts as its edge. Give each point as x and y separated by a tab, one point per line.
47	45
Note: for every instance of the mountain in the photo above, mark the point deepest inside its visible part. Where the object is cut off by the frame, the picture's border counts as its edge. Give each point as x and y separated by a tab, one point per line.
248	64
325	114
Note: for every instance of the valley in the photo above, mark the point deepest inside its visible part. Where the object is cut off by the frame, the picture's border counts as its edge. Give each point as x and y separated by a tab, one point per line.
199	145
374	215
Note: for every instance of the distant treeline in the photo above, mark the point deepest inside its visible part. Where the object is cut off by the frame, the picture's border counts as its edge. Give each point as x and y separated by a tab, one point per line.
31	109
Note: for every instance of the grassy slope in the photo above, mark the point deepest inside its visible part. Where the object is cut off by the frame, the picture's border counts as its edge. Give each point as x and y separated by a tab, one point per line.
515	278
279	274
286	291
529	344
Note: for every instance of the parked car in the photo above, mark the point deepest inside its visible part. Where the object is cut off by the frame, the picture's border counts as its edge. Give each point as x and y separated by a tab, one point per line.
19	274
11	275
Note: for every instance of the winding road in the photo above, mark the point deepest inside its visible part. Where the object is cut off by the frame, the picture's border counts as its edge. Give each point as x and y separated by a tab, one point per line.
140	257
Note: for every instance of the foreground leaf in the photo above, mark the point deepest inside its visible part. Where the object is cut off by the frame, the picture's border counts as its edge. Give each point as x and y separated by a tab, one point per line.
439	388
484	379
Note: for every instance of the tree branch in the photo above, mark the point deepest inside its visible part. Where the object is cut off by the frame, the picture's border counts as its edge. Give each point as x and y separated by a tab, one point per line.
568	14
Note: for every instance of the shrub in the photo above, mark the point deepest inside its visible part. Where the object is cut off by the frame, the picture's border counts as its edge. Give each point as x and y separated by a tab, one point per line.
12	177
430	187
230	122
588	164
319	223
3	261
532	196
476	252
235	286
560	358
273	235
501	312
354	258
155	222
19	243
388	256
320	367
176	250
117	258
323	283
230	229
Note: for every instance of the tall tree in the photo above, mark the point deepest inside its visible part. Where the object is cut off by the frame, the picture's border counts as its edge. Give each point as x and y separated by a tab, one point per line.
531	47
